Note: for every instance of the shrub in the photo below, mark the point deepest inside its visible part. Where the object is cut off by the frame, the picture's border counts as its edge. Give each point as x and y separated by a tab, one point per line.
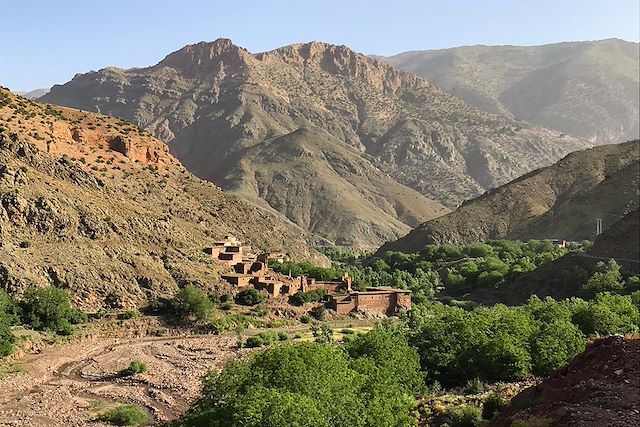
129	314
48	309
306	319
318	312
493	404
249	296
300	298
135	367
282	336
262	339
125	415
24	244
464	416
474	386
191	301
323	333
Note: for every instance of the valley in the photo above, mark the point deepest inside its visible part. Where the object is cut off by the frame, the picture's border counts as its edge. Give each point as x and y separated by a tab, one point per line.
300	228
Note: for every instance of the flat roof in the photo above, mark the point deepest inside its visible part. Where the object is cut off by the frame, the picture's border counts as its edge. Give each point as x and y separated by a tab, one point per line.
236	275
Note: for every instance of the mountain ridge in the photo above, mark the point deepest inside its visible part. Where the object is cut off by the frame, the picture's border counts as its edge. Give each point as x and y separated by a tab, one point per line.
585	88
561	201
213	102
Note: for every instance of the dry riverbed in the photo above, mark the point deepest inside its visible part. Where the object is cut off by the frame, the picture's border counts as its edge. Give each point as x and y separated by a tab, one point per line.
71	384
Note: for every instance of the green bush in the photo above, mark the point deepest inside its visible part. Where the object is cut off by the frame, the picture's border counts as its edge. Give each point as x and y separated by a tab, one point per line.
249	296
191	301
474	386
125	415
464	416
135	367
493	404
262	339
300	298
305	384
49	309
129	314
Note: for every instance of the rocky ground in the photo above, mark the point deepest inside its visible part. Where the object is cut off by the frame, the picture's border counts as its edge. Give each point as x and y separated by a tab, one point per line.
71	384
601	387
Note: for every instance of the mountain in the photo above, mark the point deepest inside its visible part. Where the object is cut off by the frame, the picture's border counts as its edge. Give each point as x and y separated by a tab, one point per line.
95	205
346	146
588	89
560	201
32	94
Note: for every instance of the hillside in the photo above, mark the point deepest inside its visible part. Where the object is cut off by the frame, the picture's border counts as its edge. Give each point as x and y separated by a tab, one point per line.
564	277
94	205
560	201
230	115
600	387
589	89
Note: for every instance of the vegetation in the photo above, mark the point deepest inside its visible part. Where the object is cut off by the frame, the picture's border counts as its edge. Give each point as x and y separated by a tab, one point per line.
300	298
292	385
506	344
457	269
191	301
125	415
135	367
50	309
249	297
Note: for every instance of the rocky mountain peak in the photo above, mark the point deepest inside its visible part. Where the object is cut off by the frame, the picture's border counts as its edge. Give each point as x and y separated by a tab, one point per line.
341	60
202	59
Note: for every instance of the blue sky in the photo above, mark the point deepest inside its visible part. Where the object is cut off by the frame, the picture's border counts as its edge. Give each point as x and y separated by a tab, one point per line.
47	42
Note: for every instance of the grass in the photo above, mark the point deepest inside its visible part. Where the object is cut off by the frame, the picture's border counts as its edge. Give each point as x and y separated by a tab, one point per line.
6	370
125	415
135	367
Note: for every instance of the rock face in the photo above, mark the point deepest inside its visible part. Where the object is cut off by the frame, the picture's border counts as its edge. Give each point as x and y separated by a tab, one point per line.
94	205
600	387
562	201
588	89
621	240
387	146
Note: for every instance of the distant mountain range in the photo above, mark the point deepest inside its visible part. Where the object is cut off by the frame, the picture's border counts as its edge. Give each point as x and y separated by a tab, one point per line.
561	201
347	147
588	89
33	94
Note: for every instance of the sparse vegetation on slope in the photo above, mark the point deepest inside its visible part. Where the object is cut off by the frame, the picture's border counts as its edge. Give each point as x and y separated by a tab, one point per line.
562	201
117	237
589	89
345	146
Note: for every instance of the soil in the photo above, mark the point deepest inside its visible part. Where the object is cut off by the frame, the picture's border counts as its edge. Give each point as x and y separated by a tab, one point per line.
71	384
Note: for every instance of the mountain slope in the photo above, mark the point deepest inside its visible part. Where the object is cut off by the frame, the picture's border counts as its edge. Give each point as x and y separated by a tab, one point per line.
588	89
93	204
218	106
560	201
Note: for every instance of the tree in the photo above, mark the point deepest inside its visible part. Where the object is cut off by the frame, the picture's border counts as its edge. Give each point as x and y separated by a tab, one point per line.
192	301
48	309
555	345
249	296
389	349
307	384
607	279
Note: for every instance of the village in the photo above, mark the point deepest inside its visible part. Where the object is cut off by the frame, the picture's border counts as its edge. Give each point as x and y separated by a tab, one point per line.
251	270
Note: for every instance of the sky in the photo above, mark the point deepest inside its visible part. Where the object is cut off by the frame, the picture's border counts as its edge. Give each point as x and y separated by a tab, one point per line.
47	42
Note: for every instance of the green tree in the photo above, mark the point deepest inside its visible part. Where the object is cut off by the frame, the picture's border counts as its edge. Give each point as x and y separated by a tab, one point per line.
249	296
555	345
48	308
192	301
607	279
